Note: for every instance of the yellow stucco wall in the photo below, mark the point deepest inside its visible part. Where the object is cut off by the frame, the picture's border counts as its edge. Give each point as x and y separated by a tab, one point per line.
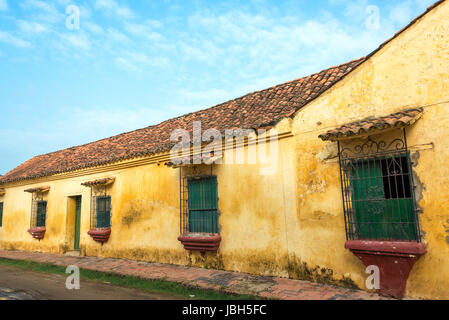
411	71
290	223
145	215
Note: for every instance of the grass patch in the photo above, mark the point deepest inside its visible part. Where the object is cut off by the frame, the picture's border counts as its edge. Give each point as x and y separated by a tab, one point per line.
153	286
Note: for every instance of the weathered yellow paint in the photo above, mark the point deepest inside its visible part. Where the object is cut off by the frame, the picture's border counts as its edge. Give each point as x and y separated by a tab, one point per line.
145	217
289	223
410	71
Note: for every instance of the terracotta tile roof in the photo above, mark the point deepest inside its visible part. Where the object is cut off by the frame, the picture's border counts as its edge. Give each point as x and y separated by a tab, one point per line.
256	110
98	182
368	125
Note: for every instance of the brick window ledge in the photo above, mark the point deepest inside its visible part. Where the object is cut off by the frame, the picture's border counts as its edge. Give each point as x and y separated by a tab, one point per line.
395	260
37	232
100	235
200	242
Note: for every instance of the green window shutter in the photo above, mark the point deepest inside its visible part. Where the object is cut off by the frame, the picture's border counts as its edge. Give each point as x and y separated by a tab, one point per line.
377	213
41	213
203	205
103	212
1	214
367	199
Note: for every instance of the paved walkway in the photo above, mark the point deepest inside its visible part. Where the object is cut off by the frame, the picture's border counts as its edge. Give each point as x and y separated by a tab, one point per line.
231	282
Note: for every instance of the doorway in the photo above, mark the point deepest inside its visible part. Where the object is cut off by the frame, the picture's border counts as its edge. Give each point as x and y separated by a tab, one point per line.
77	223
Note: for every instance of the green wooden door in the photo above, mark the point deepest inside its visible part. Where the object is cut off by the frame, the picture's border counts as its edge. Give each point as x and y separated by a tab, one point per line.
203	205
77	223
376	214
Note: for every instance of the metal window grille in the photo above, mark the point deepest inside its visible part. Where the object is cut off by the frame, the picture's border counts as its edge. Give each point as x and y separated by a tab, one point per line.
1	214
199	204
38	210
103	212
377	189
100	208
41	213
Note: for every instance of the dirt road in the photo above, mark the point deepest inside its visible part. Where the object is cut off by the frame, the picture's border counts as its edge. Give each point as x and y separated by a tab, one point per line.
19	284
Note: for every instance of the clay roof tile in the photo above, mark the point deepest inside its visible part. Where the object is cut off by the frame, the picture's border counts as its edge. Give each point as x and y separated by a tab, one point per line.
398	119
250	111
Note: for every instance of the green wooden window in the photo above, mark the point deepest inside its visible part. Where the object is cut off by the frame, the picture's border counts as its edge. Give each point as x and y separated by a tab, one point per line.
1	214
382	201
203	205
41	213
103	212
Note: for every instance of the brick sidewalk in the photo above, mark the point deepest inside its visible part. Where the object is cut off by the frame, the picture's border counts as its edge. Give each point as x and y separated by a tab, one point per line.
231	282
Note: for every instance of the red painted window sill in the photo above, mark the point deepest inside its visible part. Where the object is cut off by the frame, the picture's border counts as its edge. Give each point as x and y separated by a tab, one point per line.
100	235
395	260
202	243
37	232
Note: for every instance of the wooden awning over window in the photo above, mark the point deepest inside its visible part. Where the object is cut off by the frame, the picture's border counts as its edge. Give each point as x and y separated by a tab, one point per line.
38	189
371	125
98	182
192	160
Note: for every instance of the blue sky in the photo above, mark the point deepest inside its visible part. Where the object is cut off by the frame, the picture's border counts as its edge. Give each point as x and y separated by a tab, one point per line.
134	63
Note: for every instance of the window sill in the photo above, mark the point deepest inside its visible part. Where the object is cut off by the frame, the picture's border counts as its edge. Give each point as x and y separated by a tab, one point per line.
37	232
395	260
200	242
100	235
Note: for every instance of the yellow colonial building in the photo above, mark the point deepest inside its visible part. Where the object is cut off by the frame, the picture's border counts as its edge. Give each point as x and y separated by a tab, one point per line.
316	179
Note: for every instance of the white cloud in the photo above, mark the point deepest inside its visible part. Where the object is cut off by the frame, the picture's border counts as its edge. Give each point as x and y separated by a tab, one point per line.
3	5
135	61
98	122
112	7
401	14
356	9
76	40
10	39
147	60
266	45
117	36
125	64
31	27
145	30
203	50
93	28
43	11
